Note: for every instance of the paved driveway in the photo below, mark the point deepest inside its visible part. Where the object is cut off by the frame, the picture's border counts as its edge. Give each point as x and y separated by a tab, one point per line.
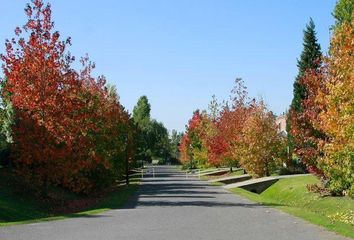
170	206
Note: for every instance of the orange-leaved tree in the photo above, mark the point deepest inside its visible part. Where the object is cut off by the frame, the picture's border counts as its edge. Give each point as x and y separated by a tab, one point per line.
232	121
336	118
261	145
327	143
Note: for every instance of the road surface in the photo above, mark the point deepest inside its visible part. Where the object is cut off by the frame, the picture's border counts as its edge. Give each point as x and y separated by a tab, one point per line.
170	206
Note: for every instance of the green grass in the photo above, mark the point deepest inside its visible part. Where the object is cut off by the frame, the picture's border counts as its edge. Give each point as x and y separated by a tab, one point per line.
291	195
18	207
237	172
217	184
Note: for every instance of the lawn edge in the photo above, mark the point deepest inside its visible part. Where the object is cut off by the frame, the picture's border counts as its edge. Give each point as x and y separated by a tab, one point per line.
83	213
315	219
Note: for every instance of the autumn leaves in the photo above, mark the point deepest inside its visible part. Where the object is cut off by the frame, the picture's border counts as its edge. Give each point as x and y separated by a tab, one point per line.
320	121
242	133
323	129
68	128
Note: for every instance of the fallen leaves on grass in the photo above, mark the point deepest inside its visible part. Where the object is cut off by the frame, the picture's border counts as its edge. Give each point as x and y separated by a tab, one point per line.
345	217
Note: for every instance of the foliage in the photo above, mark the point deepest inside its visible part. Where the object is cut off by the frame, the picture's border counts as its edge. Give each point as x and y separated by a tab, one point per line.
343	12
161	148
198	151
231	123
200	129
7	114
325	126
6	121
318	188
345	217
192	146
153	139
307	135
302	136
18	205
261	144
175	140
309	57
336	116
243	135
141	111
185	149
67	129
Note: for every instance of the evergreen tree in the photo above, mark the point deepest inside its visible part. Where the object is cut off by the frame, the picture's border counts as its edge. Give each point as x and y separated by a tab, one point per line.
309	60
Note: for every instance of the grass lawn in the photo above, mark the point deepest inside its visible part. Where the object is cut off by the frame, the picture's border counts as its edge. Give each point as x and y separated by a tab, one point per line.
291	195
236	172
17	207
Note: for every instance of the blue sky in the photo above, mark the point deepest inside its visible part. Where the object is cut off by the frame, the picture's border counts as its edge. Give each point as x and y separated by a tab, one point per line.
180	53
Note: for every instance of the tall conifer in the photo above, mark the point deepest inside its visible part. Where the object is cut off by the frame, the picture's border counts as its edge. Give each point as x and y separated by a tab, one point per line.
309	60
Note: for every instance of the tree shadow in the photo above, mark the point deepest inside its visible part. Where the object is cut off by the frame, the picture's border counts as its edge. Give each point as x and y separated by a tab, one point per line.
18	205
182	194
157	179
85	215
136	202
173	196
154	192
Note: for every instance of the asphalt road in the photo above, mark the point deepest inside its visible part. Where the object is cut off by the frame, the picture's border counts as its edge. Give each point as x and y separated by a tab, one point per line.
170	206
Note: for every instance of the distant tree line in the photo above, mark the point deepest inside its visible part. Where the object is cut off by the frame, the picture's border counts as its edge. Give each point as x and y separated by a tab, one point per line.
153	140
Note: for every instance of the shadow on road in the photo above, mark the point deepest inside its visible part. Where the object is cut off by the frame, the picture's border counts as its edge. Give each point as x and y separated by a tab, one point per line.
192	203
166	190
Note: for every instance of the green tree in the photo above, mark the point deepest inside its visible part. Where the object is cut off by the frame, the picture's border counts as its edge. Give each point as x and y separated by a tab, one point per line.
153	141
141	117
6	122
160	141
174	142
309	60
141	112
343	12
309	57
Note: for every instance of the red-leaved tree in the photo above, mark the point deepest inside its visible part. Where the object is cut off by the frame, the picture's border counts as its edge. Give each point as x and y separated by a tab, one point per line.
68	129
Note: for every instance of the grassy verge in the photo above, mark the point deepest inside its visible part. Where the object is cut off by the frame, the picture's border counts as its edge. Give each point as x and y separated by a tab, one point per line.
237	172
291	195
19	207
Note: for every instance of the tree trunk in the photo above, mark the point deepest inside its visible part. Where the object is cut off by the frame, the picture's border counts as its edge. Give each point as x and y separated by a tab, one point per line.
267	168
